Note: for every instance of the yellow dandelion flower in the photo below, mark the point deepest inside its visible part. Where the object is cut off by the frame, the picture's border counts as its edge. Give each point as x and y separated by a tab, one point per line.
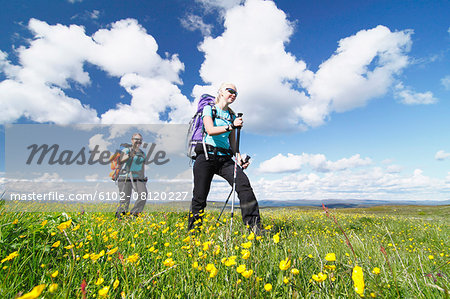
86	256
209	267
247	273
15	221
285	264
268	287
330	257
112	251
251	236
53	287
286	280
115	284
431	257
56	244
245	254
330	267
43	223
358	280
240	268
103	291
99	281
373	295
295	271
230	261
54	274
217	250
169	262
69	246
166	244
376	270
35	292
276	238
10	257
195	265
247	245
63	226
319	277
213	272
133	258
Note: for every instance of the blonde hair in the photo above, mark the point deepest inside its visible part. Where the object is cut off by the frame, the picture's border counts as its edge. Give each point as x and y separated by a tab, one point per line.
221	88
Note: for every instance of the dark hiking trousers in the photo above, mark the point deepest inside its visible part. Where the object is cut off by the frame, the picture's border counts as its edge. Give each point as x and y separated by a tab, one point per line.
204	171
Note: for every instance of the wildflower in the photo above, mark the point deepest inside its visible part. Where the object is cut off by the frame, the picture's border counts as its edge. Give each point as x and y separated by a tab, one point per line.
358	280
167	244
69	246
295	271
230	261
373	295
240	269
247	245
251	236
15	221
53	287
35	292
376	270
431	257
330	267
276	238
330	257
213	272
54	274
285	264
195	265
268	287
115	284
169	254
99	281
169	262
286	280
310	256
56	244
268	227
133	258
10	256
86	256
112	251
247	273
209	267
245	254
217	250
319	277
238	281
104	291
43	223
64	225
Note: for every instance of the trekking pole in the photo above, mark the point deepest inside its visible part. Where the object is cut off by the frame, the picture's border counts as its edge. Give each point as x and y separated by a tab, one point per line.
229	195
234	176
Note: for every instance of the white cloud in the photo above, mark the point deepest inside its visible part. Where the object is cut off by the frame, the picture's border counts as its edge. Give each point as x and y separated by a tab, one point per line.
53	62
318	162
272	82
441	155
99	140
75	1
193	22
373	183
446	82
409	97
219	4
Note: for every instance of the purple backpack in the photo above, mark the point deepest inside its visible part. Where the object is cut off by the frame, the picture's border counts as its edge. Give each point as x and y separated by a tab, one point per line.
195	132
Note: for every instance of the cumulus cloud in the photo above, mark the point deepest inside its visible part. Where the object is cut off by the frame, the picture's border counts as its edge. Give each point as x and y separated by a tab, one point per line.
193	22
275	85
441	155
409	97
373	183
318	162
54	61
446	82
219	4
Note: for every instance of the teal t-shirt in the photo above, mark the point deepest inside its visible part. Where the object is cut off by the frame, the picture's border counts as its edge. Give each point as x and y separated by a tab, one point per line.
135	165
223	118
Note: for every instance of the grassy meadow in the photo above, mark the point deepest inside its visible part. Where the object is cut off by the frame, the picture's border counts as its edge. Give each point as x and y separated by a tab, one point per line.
379	252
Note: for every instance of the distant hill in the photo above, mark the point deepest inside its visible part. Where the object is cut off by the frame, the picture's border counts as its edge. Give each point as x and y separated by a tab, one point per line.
348	203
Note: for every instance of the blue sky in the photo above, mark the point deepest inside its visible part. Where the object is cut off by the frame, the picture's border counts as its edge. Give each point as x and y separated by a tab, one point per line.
341	99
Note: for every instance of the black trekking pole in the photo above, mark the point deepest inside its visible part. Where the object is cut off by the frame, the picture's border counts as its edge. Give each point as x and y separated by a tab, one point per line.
238	137
247	158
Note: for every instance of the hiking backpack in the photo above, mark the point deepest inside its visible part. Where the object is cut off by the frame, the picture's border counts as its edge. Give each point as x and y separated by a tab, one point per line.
114	160
196	131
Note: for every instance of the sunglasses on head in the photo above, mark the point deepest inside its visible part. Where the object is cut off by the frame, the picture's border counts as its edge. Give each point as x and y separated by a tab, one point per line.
232	91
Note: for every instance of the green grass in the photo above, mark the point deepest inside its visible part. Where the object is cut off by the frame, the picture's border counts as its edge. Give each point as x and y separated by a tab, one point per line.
415	263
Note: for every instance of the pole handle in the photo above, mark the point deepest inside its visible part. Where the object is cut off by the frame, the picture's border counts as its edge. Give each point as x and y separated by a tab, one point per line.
238	137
